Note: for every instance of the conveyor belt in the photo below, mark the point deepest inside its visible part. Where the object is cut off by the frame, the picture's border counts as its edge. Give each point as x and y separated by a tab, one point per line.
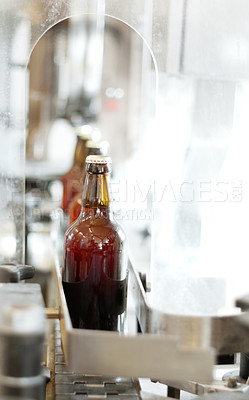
70	385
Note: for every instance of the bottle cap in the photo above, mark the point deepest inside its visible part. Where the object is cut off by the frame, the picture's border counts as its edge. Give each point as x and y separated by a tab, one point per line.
95	159
90	144
84	132
87	132
98	148
98	164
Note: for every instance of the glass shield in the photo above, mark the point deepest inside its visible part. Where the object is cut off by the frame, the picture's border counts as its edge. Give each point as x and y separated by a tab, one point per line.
200	223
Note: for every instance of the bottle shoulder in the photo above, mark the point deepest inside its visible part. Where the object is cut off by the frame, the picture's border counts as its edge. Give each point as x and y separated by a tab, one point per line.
94	228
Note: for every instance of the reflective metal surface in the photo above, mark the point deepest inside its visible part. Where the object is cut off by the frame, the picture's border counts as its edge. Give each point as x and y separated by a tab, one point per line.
223	396
22	335
15	273
225	334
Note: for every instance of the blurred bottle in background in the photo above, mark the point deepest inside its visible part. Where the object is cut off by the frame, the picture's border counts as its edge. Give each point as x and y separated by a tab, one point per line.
72	180
92	148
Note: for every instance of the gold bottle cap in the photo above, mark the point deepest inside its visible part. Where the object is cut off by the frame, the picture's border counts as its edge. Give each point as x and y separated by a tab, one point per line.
98	164
93	159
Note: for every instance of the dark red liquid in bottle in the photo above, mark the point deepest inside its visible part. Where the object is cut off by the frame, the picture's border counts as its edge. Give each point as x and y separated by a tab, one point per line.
95	271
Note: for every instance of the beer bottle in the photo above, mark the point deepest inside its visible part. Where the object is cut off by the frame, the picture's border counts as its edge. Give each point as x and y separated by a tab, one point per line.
94	274
92	148
72	180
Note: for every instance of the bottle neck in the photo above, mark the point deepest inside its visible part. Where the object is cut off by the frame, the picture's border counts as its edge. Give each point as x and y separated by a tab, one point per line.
95	197
80	153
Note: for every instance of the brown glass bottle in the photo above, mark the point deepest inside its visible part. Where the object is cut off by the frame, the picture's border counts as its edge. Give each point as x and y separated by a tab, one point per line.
72	180
92	148
94	274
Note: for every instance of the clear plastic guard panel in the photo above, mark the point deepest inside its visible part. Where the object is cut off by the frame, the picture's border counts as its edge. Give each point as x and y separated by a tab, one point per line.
193	150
